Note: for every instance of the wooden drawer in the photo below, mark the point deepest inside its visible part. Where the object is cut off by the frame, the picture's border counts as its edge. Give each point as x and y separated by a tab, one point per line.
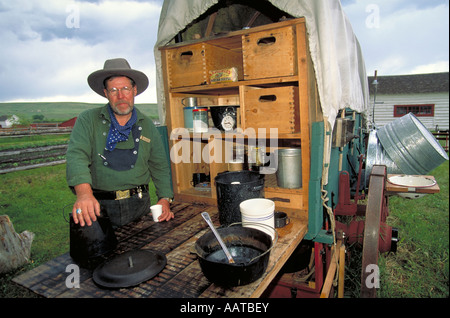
275	107
189	65
269	53
285	200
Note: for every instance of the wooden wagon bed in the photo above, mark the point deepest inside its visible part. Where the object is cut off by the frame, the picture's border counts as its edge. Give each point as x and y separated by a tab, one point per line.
182	276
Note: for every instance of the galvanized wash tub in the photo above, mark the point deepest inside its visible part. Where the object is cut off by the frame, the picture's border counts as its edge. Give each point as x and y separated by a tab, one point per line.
411	146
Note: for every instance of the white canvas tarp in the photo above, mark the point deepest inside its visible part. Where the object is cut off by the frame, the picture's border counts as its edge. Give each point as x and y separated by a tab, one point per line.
335	51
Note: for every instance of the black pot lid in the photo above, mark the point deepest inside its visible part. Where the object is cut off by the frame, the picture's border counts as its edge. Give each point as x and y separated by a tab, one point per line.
129	269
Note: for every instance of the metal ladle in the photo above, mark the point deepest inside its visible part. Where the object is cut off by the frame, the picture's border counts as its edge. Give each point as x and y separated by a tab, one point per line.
205	215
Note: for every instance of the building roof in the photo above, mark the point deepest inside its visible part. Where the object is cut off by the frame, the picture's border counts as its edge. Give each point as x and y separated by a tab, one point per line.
411	84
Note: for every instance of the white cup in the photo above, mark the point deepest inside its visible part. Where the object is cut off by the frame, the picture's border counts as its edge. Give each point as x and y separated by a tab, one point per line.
156	211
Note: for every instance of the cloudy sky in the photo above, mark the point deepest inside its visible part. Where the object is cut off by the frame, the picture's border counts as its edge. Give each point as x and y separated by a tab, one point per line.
49	47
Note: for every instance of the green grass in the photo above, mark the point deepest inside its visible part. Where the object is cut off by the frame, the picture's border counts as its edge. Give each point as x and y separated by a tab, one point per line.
34	200
61	111
32	141
420	268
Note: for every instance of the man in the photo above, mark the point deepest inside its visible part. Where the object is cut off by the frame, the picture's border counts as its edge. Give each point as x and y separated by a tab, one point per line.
114	151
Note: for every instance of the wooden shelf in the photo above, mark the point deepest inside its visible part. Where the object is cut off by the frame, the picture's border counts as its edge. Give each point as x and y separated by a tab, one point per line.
233	87
179	133
281	69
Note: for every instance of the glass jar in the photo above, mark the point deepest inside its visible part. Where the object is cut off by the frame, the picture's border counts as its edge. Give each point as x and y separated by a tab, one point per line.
200	120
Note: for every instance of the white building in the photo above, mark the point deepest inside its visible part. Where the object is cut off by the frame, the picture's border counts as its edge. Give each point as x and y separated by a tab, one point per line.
7	121
425	95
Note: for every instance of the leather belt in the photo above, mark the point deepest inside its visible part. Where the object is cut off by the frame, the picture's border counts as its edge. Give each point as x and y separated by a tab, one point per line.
120	194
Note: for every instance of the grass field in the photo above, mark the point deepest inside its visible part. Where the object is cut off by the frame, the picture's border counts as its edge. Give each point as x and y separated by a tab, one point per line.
62	111
37	200
420	268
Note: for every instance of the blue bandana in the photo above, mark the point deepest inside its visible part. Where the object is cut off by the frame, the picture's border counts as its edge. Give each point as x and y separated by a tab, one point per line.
117	132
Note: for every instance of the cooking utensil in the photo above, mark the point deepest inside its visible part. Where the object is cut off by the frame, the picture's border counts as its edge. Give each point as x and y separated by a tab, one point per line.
281	219
207	218
232	188
88	244
129	269
251	251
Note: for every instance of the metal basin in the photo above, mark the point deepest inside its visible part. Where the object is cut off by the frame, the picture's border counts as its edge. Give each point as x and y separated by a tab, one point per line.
411	146
376	155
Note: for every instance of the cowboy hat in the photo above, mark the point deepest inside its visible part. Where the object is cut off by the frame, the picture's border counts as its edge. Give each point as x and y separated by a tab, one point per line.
117	67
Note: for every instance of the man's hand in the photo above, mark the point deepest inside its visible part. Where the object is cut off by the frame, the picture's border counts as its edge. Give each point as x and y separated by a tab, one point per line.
166	213
86	204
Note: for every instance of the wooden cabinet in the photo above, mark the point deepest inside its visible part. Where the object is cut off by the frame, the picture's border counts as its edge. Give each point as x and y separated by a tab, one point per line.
275	88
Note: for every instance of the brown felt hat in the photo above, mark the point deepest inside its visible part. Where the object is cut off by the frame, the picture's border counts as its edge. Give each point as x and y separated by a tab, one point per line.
117	67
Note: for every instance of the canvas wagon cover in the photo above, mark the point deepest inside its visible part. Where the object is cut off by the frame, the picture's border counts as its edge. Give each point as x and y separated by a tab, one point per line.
335	51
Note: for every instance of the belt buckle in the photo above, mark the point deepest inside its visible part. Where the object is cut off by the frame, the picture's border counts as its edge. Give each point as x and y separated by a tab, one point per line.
122	194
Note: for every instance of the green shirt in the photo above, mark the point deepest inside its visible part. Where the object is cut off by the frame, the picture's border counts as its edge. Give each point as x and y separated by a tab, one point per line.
88	141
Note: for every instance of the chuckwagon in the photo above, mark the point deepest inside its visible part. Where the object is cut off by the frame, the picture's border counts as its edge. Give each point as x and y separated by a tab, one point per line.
287	75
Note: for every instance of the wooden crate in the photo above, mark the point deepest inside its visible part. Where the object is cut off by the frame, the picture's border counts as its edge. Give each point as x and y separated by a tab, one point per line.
270	53
189	65
275	107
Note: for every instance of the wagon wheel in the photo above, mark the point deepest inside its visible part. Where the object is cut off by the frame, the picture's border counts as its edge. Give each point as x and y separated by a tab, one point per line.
375	208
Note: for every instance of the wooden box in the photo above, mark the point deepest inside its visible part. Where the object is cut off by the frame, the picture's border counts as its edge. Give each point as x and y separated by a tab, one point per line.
190	65
270	53
275	107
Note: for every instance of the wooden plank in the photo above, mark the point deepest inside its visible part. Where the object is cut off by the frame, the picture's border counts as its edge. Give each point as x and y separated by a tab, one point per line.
341	271
177	245
189	280
182	276
48	280
305	101
331	271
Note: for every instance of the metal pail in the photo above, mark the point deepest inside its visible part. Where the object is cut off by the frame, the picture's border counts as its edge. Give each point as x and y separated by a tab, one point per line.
289	171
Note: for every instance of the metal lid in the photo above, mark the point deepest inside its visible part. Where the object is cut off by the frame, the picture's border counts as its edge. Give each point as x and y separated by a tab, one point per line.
289	151
129	269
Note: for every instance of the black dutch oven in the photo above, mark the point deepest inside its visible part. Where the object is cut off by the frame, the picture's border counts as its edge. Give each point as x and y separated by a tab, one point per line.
90	244
249	247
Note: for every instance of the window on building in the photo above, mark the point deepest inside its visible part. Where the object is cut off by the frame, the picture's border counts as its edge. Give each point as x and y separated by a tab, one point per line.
425	110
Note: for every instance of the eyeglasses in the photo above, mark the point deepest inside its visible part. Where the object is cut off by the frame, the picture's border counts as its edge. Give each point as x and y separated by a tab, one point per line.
115	91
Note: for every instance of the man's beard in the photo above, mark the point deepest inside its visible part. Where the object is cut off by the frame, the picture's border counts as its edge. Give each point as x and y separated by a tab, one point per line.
117	111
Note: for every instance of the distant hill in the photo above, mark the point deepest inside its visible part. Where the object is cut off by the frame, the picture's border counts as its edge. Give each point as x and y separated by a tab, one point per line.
61	111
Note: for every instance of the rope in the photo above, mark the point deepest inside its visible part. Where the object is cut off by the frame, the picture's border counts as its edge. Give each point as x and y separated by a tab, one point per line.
325	199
